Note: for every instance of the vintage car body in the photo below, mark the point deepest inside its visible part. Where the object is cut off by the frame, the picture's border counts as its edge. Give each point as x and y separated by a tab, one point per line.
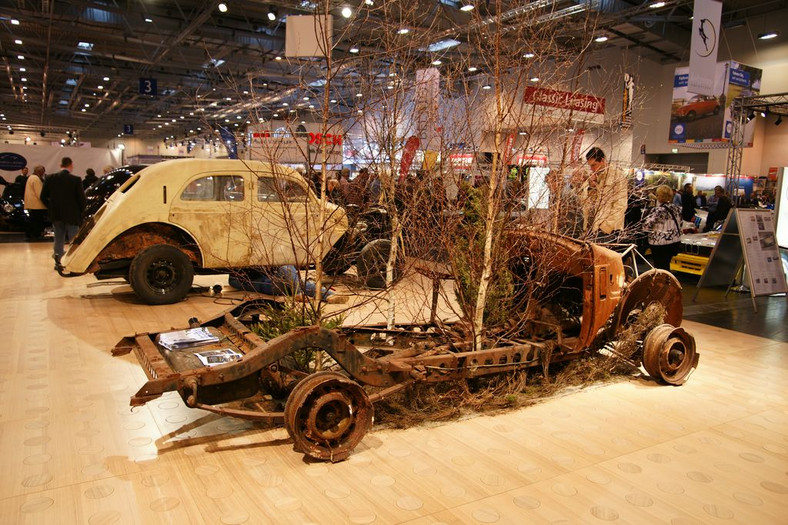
584	302
177	217
97	193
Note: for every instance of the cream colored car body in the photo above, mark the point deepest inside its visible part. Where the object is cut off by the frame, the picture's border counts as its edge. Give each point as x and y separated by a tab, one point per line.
221	213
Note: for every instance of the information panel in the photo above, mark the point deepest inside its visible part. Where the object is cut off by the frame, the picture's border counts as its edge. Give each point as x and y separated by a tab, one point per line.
747	237
761	254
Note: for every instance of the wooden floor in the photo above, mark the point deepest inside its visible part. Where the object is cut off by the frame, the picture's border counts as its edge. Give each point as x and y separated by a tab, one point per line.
71	450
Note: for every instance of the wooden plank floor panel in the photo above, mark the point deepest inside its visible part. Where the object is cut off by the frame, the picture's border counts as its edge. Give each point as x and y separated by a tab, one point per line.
714	450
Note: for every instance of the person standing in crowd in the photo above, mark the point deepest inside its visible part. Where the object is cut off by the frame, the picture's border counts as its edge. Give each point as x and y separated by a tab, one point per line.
700	199
36	210
62	193
16	189
722	205
677	198
90	178
663	230
687	203
604	197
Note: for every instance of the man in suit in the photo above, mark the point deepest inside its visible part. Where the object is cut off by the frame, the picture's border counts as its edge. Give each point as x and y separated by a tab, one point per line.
63	195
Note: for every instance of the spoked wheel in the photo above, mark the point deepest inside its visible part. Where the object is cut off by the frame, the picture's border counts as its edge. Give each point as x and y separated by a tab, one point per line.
669	354
327	415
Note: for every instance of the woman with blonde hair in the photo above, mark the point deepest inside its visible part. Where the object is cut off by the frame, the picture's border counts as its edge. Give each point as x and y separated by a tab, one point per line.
662	227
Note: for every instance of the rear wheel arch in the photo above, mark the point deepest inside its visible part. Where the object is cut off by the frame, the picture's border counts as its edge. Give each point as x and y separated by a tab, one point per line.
134	240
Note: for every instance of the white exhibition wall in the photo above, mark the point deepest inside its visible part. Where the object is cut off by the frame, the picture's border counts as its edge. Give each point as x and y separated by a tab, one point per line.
50	157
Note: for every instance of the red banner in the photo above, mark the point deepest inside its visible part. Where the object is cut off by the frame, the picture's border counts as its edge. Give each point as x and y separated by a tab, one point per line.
411	145
564	100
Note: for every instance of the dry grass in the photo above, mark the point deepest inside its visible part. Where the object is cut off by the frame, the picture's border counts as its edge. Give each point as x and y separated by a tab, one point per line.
421	403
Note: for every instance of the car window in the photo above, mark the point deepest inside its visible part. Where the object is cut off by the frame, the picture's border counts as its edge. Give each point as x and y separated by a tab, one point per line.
279	190
215	188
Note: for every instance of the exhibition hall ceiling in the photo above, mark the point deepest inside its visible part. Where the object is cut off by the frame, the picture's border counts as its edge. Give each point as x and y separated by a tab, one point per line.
88	69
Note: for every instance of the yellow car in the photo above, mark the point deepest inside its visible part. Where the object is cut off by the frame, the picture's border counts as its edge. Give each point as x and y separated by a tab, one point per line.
183	216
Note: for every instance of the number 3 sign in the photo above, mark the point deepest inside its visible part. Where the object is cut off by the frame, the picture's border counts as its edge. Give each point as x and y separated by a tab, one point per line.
148	86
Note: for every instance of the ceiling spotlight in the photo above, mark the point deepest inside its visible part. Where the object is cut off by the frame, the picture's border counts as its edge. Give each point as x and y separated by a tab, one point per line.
14	22
18	42
347	12
436	62
750	116
601	39
403	31
148	20
271	14
472	69
534	79
528	55
768	36
779	120
353	49
222	7
657	5
487	86
763	114
467	7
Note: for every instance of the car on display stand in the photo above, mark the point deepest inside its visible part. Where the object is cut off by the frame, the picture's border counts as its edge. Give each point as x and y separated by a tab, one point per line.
176	218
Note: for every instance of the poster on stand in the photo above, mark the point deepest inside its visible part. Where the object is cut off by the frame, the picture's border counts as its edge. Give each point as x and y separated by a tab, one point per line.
707	118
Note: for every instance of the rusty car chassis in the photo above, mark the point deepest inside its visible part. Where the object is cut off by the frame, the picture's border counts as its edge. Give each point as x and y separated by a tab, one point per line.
328	412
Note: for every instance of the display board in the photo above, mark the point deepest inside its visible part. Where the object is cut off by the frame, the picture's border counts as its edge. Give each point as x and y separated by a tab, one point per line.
748	237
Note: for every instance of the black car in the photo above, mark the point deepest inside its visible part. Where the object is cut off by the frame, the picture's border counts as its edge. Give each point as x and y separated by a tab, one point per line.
97	193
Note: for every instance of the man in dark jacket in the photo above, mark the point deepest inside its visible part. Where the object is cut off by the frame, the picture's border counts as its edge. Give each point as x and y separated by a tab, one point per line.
64	197
687	203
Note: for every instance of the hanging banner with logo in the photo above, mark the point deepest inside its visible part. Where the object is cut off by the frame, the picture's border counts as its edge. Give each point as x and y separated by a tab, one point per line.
703	52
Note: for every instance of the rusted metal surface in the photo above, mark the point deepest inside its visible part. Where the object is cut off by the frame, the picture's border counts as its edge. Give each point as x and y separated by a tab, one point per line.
582	303
327	415
130	243
669	354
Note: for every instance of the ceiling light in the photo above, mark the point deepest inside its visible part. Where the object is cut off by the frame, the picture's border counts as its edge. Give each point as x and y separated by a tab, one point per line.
99	87
18	42
347	12
222	7
403	31
333	101
473	69
277	58
763	114
487	86
436	62
24	79
359	95
106	79
750	116
305	98
369	2
601	39
271	14
14	22
528	55
22	69
768	36
148	20
534	79
467	7
85	45
20	57
657	5
441	45
353	49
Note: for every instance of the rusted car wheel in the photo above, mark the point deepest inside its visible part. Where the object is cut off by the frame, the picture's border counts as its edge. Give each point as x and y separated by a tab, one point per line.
161	274
327	415
669	354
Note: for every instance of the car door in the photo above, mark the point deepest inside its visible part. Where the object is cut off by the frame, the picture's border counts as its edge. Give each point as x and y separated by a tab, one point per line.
283	230
215	208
